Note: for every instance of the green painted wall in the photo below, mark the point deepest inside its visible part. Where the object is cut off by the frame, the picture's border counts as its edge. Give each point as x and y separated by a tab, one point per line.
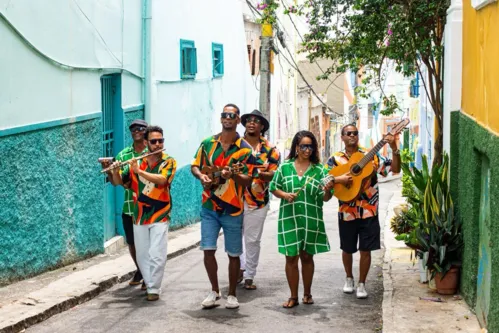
50	198
469	142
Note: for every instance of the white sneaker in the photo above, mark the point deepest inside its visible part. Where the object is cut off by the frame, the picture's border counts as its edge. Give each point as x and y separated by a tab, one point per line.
211	300
349	286
232	302
361	291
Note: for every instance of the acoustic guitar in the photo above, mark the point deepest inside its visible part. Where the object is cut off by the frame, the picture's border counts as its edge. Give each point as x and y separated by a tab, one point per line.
360	168
215	173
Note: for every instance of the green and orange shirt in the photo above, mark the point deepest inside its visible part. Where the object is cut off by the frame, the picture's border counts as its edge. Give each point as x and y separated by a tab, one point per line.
228	197
367	204
257	194
123	156
152	202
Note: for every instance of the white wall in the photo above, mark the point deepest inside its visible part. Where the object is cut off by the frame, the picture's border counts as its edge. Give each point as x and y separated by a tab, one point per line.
189	110
89	34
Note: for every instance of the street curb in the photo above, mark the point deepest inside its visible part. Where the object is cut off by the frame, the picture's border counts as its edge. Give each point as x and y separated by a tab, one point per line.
80	299
387	306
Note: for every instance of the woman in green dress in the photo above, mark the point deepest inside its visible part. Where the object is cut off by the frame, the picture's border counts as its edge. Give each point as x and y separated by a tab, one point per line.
301	232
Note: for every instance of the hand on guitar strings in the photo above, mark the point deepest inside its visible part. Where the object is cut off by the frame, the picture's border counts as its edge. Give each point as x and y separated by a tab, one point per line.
205	180
345	180
226	173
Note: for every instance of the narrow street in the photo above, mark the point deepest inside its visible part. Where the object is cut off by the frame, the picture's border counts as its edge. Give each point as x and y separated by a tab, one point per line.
124	308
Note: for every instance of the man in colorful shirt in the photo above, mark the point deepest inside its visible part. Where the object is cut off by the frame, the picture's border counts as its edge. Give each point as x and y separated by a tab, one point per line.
358	220
256	196
150	179
223	205
137	148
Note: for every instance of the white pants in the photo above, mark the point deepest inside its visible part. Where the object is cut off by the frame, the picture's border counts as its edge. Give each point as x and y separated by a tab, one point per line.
151	242
252	233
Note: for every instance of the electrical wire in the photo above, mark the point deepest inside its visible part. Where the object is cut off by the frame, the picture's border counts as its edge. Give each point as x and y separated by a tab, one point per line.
58	63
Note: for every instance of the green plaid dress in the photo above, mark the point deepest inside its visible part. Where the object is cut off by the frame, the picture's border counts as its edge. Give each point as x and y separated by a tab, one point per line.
301	226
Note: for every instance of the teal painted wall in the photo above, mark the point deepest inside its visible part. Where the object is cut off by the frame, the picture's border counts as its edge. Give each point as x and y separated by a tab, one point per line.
469	142
186	198
50	198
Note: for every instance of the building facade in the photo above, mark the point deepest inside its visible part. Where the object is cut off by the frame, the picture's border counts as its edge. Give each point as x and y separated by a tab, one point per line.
474	145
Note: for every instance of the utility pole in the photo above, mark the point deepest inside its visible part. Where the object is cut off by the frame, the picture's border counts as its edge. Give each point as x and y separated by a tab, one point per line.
266	47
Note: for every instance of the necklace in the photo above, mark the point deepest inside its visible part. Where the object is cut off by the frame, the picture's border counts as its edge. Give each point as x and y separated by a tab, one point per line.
301	170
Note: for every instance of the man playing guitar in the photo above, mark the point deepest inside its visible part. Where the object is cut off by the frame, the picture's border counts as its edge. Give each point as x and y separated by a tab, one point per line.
358	220
223	206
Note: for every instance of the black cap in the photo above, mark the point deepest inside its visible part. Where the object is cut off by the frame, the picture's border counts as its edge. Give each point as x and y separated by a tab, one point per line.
138	123
258	114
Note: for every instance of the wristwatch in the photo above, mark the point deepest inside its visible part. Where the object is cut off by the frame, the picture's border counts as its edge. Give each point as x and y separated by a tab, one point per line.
396	152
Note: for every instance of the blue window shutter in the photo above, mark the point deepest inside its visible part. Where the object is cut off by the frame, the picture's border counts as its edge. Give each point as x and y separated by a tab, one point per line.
217	53
194	61
188	59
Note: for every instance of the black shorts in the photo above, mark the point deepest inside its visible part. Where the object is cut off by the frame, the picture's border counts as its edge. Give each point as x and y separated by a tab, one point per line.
365	232
128	226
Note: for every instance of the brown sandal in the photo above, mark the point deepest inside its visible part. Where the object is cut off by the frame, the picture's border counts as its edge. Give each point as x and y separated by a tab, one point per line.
291	303
307	299
248	285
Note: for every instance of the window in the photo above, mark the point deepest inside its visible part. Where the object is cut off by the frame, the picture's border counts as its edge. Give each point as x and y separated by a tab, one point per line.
414	90
218	59
188	59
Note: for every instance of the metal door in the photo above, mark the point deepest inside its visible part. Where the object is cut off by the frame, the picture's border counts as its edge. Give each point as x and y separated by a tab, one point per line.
484	265
112	137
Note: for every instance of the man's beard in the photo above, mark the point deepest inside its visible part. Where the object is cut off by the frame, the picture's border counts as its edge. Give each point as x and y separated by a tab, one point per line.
229	127
255	134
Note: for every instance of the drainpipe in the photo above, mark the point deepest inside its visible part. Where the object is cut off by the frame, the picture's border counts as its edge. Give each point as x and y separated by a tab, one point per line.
146	57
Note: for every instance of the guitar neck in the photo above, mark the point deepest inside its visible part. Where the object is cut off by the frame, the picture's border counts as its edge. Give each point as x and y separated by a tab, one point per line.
369	156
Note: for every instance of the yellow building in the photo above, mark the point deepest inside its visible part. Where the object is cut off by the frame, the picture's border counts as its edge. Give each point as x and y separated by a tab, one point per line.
475	159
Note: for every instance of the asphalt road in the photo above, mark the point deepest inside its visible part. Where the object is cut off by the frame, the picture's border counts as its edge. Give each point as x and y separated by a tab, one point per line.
124	308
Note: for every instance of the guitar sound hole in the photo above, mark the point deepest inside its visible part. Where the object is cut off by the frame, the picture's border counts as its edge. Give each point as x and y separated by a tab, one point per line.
356	169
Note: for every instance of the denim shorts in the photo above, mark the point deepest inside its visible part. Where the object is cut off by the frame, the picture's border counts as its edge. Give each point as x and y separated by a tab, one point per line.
232	226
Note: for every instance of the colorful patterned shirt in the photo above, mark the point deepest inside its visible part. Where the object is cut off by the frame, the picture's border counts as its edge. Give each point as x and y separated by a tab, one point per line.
127	154
257	194
228	197
367	204
152	202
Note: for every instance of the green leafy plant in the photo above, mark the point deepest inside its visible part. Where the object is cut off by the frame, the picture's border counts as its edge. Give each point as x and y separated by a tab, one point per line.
404	224
439	231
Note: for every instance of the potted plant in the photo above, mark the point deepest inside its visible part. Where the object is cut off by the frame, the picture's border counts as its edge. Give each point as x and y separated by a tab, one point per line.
440	232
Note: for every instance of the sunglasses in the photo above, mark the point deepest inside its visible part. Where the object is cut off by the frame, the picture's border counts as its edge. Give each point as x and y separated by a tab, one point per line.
352	133
254	120
138	129
229	115
306	147
155	141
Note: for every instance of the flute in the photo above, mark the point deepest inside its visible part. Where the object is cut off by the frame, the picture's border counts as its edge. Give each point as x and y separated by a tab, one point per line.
122	164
